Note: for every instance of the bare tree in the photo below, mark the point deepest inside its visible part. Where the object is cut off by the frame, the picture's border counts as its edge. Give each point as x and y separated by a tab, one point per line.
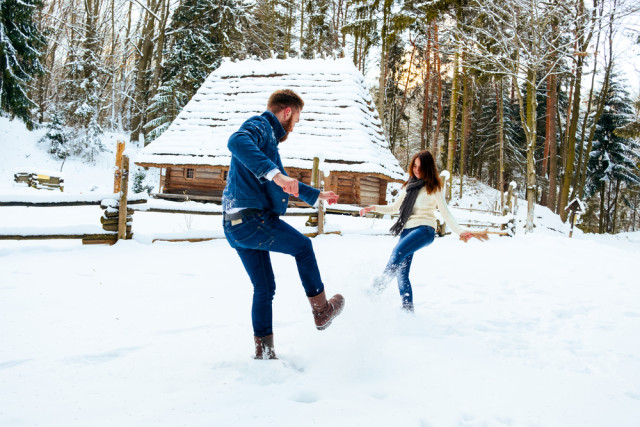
514	39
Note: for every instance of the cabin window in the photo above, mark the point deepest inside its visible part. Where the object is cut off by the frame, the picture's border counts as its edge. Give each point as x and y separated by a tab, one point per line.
224	175
190	173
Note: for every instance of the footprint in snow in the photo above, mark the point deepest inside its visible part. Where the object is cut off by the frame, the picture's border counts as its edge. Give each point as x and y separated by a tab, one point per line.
305	396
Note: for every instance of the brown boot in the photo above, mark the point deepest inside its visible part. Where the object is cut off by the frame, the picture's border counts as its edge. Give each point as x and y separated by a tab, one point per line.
264	347
325	311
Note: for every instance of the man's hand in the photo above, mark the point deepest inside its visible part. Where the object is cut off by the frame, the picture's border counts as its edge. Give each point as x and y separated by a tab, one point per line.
288	184
329	196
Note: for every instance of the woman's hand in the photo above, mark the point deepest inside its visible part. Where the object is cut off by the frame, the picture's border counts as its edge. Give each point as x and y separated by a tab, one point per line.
329	196
480	235
366	210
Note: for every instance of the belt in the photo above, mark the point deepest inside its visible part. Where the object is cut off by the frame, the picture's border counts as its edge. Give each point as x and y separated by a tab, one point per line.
244	213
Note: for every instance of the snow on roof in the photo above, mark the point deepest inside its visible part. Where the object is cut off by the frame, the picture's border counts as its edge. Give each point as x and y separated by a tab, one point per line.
339	122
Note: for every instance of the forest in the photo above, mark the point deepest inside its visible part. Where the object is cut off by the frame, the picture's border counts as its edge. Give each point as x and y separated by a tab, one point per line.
529	91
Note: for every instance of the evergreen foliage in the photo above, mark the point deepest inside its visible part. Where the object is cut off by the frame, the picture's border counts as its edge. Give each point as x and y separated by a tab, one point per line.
319	37
613	157
201	34
81	99
57	136
270	28
138	182
364	29
485	149
21	45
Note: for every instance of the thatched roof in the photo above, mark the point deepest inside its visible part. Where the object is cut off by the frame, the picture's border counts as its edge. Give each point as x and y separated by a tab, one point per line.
339	122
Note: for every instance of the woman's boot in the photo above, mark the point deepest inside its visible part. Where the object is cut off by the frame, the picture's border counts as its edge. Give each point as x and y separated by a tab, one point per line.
325	311
264	347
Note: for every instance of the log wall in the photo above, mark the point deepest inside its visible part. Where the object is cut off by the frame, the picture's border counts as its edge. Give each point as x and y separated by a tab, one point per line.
353	188
194	181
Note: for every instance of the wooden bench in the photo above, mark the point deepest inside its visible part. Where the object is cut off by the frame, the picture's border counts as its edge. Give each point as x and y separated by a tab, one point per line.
39	181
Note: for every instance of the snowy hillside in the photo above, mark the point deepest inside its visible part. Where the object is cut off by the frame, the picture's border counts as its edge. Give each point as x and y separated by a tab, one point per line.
532	330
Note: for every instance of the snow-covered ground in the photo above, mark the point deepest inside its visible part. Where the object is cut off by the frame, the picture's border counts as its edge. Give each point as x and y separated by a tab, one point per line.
531	330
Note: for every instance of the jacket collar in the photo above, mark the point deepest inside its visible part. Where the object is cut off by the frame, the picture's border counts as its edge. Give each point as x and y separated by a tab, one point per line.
278	130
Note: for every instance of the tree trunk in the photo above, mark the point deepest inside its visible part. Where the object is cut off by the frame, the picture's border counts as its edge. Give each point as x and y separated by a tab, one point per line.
571	142
582	43
302	30
436	56
599	110
602	212
552	102
426	111
384	58
466	116
615	206
453	109
144	60
531	145
500	99
158	61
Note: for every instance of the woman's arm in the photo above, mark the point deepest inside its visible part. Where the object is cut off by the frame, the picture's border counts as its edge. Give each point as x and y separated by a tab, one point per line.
447	215
465	235
385	209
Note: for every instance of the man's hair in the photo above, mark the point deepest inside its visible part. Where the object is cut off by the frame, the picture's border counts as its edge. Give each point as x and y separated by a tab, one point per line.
281	99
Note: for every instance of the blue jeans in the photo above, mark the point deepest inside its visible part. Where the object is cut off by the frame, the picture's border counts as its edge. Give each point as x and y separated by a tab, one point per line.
399	264
253	239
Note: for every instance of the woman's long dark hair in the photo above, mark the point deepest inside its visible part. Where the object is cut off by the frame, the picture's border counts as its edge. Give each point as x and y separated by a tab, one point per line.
428	169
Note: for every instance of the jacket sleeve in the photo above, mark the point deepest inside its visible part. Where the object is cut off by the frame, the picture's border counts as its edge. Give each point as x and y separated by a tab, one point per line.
393	208
307	193
243	144
446	214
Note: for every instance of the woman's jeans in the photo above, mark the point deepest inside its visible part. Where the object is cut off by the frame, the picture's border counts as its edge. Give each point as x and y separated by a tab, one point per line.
399	264
253	239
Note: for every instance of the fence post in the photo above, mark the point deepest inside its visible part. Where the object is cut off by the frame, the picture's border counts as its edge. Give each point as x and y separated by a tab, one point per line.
118	174
122	206
316	178
316	219
320	207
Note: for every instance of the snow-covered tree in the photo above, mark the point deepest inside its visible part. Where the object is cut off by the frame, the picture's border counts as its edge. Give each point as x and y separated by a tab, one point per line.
82	85
200	35
318	37
363	28
57	136
493	101
613	159
515	38
21	46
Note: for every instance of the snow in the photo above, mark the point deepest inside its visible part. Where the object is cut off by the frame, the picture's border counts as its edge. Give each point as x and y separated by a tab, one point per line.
532	330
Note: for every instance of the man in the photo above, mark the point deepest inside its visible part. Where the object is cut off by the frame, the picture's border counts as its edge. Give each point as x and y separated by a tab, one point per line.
257	193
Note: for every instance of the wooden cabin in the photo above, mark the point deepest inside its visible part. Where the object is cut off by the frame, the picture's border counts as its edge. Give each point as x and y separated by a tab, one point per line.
338	124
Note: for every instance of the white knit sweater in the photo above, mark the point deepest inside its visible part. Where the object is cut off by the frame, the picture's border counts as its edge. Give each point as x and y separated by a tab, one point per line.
423	210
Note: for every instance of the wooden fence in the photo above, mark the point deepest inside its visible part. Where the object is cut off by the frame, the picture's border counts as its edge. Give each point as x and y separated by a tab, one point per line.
118	210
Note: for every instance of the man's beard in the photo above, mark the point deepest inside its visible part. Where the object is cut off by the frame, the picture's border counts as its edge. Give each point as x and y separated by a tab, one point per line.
288	128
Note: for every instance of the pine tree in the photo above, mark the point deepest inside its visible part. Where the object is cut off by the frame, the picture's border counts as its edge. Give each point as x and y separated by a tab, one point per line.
270	28
57	137
318	36
81	90
613	159
201	34
21	46
485	150
363	27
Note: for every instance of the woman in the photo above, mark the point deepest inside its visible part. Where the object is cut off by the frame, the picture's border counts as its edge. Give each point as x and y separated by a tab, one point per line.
418	200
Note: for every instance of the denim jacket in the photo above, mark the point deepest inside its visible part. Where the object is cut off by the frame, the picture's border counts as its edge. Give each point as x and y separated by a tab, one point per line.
254	152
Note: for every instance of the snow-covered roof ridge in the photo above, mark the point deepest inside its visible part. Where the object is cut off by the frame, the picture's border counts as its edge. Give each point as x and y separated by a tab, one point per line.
339	122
